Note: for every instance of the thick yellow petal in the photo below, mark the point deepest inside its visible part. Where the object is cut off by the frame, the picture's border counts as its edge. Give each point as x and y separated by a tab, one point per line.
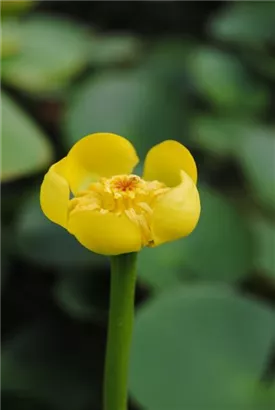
177	212
107	234
99	155
165	161
55	194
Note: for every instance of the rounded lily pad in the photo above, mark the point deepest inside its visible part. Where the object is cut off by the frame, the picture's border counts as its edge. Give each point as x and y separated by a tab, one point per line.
221	245
129	103
245	23
223	81
19	132
52	51
200	347
256	153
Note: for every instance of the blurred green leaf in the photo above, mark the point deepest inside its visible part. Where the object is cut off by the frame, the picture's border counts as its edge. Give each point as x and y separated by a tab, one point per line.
114	49
53	50
264	254
129	103
220	247
218	135
10	39
220	228
10	7
166	60
222	79
161	267
25	147
48	362
200	347
245	23
256	153
46	243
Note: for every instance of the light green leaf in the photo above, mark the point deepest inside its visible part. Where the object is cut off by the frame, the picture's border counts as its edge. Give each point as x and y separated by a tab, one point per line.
128	103
114	49
218	135
25	149
53	50
222	79
10	39
257	156
245	23
46	243
220	247
200	347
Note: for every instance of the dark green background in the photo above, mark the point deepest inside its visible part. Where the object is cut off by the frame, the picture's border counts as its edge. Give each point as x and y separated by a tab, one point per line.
201	73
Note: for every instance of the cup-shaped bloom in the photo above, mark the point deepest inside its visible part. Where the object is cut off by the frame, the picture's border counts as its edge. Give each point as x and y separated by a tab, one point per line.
93	193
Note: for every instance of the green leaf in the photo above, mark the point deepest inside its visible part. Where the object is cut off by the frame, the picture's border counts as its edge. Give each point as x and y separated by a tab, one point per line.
129	103
48	244
114	49
264	254
222	79
256	155
10	40
163	266
167	61
218	135
220	228
25	147
220	247
245	23
52	363
53	50
9	7
200	347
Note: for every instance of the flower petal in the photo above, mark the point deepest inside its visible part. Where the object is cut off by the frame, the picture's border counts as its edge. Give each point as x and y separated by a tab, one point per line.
98	155
177	212
105	233
165	161
55	193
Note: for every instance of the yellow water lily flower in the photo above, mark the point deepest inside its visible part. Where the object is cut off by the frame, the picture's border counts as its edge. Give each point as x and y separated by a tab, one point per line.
94	195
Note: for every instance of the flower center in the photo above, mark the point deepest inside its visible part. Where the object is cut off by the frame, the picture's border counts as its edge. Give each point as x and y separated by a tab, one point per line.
126	195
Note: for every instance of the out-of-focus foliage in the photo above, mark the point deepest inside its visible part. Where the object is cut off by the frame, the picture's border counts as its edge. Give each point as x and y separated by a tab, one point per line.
205	304
224	82
50	51
25	147
16	6
226	370
130	103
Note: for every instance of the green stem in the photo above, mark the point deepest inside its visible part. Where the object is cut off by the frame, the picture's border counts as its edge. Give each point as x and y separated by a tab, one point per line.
121	316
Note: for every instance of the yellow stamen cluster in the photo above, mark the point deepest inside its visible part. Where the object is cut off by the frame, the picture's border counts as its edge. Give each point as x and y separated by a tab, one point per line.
122	194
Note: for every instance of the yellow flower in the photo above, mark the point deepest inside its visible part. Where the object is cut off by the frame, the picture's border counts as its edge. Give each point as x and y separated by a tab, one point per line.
92	193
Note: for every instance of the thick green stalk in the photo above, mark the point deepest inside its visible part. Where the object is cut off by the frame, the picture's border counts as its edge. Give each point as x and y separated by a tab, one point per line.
121	316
